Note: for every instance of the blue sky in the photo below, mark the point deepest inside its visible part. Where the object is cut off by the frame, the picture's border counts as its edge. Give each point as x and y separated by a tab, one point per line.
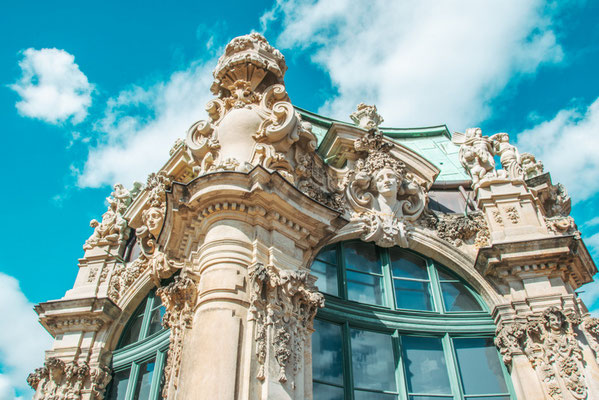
95	93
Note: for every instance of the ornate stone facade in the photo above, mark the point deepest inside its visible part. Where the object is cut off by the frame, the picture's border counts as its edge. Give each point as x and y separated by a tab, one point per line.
227	230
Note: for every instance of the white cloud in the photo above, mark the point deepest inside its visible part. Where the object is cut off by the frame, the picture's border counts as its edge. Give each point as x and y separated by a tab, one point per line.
141	124
22	341
421	62
52	88
568	145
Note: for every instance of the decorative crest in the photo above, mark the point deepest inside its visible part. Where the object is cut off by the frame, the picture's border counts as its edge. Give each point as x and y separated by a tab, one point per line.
366	117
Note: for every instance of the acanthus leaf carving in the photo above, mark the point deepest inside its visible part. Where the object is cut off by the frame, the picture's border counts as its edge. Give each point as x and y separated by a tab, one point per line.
179	299
283	305
590	327
548	340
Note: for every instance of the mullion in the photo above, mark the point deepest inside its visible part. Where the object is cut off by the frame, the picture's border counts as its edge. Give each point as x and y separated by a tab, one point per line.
158	366
400	373
145	324
452	366
132	384
347	360
438	304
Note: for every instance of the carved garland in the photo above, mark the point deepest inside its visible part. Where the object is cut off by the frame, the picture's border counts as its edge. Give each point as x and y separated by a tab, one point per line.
458	229
283	305
548	341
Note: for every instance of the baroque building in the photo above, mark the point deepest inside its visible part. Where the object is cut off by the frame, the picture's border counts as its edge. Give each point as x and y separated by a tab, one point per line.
279	254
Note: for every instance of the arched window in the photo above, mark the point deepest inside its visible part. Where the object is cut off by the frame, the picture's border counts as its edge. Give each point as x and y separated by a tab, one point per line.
138	360
398	325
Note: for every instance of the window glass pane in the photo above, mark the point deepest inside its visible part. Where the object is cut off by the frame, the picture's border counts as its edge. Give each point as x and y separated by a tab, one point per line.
361	256
156	320
144	380
406	265
479	366
364	395
446	276
364	288
424	362
458	298
327	392
327	352
328	255
326	277
372	360
118	386
131	334
412	295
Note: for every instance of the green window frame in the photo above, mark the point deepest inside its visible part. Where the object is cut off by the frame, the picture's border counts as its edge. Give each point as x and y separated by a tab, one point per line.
467	332
138	361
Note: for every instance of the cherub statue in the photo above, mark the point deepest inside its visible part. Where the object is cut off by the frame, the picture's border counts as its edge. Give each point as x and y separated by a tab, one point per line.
113	228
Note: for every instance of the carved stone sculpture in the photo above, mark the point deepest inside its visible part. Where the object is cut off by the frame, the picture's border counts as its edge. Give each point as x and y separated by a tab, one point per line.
58	380
530	166
548	341
476	155
508	155
179	299
113	228
283	305
458	229
381	194
151	257
366	117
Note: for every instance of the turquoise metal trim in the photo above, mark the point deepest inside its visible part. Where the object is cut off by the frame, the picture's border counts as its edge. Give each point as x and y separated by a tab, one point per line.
142	350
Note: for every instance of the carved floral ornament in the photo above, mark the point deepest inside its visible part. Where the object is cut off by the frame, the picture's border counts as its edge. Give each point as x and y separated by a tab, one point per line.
58	380
548	340
283	305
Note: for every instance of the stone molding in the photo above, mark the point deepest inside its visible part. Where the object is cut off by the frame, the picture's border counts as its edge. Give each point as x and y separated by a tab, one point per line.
548	340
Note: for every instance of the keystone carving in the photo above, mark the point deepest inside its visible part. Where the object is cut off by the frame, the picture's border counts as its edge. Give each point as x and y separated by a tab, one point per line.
113	229
179	299
366	117
58	380
548	341
381	194
458	229
283	305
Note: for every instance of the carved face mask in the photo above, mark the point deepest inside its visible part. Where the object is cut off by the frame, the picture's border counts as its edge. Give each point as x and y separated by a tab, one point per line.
153	219
386	181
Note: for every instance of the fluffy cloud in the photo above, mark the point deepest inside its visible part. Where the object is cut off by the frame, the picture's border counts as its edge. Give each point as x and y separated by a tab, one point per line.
52	88
568	145
22	341
421	62
141	124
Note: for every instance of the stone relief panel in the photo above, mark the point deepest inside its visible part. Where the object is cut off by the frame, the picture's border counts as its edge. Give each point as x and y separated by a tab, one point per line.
179	299
283	305
549	342
58	380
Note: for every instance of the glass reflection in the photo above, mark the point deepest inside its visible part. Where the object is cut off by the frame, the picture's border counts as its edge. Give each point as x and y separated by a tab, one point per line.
364	288
144	380
373	363
361	256
412	295
406	265
327	352
424	362
479	366
328	255
118	386
327	392
457	297
326	277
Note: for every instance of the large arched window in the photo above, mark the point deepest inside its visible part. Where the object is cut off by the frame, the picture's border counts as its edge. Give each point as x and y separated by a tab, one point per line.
138	360
397	325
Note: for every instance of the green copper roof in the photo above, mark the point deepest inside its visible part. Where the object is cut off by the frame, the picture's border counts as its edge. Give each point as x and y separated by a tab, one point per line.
433	143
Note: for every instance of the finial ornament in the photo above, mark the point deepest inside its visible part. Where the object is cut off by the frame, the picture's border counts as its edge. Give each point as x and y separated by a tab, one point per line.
366	117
